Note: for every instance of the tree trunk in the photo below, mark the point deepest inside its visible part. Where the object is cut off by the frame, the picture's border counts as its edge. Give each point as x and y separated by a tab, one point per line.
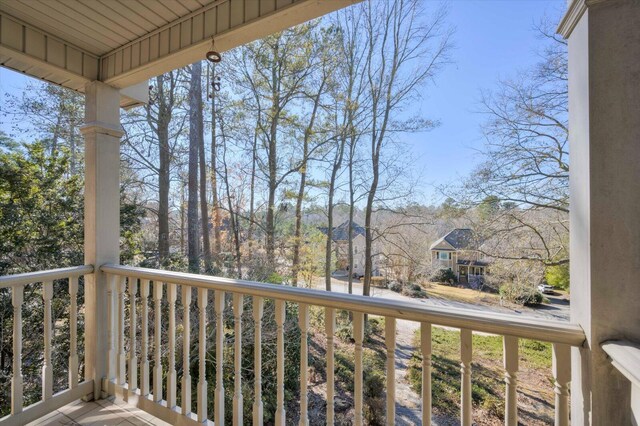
204	208
164	153
252	217
195	129
215	199
297	237
368	247
183	250
233	218
352	147
337	163
273	168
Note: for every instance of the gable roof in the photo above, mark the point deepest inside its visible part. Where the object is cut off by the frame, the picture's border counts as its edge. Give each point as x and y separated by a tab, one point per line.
341	232
458	239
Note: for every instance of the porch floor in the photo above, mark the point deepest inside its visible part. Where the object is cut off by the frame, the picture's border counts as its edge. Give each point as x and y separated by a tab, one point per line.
109	412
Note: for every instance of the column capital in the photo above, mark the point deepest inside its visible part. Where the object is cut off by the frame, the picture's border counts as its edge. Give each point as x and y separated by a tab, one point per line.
102	128
574	14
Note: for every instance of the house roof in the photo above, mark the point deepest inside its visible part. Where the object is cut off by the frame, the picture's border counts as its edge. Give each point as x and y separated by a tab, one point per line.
457	239
341	233
473	262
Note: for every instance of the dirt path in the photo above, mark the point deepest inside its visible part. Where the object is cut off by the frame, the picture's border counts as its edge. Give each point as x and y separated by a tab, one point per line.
408	410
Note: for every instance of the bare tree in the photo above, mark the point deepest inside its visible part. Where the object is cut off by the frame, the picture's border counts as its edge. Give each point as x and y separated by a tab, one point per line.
159	115
195	138
348	93
525	173
54	114
275	72
215	199
403	51
325	64
152	144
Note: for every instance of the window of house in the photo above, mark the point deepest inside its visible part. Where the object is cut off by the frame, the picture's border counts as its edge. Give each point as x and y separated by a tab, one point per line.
443	255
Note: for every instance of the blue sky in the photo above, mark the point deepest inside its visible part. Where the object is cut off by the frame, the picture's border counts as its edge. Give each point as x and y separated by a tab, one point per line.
493	40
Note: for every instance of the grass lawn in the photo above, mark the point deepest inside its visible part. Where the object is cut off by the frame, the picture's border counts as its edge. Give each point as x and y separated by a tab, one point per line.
467	295
535	387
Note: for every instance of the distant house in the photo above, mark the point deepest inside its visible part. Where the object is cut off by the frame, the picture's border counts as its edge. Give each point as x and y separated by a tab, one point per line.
340	237
458	251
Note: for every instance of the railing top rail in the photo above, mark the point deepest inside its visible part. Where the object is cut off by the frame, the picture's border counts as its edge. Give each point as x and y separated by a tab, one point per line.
40	276
483	321
625	356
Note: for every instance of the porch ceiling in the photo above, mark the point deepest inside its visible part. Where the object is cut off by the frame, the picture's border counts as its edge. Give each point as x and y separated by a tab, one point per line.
126	42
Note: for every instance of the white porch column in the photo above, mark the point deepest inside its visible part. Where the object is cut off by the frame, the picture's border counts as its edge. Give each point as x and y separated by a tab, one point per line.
102	133
604	123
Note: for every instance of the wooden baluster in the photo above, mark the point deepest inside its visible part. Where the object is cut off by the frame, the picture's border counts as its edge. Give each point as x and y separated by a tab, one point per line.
562	377
144	350
202	355
258	310
133	326
238	300
47	368
122	357
465	374
303	322
73	332
510	356
330	327
218	405
17	298
390	341
280	318
172	378
186	342
358	335
111	327
425	345
157	341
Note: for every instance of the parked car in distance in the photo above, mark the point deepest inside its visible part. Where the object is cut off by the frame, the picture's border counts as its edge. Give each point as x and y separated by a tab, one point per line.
545	288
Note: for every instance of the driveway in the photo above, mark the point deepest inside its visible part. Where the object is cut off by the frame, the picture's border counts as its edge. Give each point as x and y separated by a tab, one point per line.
557	309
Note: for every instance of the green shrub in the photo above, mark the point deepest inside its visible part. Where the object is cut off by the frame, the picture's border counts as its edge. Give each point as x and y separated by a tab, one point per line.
275	278
344	333
444	276
558	276
494	406
522	295
414	290
395	286
373	364
376	325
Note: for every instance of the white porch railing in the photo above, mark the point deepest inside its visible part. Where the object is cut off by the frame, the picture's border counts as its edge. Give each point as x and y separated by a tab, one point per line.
625	357
124	365
75	389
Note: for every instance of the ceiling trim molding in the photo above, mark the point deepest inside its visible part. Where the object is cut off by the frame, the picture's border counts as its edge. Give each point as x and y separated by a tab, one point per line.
574	13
